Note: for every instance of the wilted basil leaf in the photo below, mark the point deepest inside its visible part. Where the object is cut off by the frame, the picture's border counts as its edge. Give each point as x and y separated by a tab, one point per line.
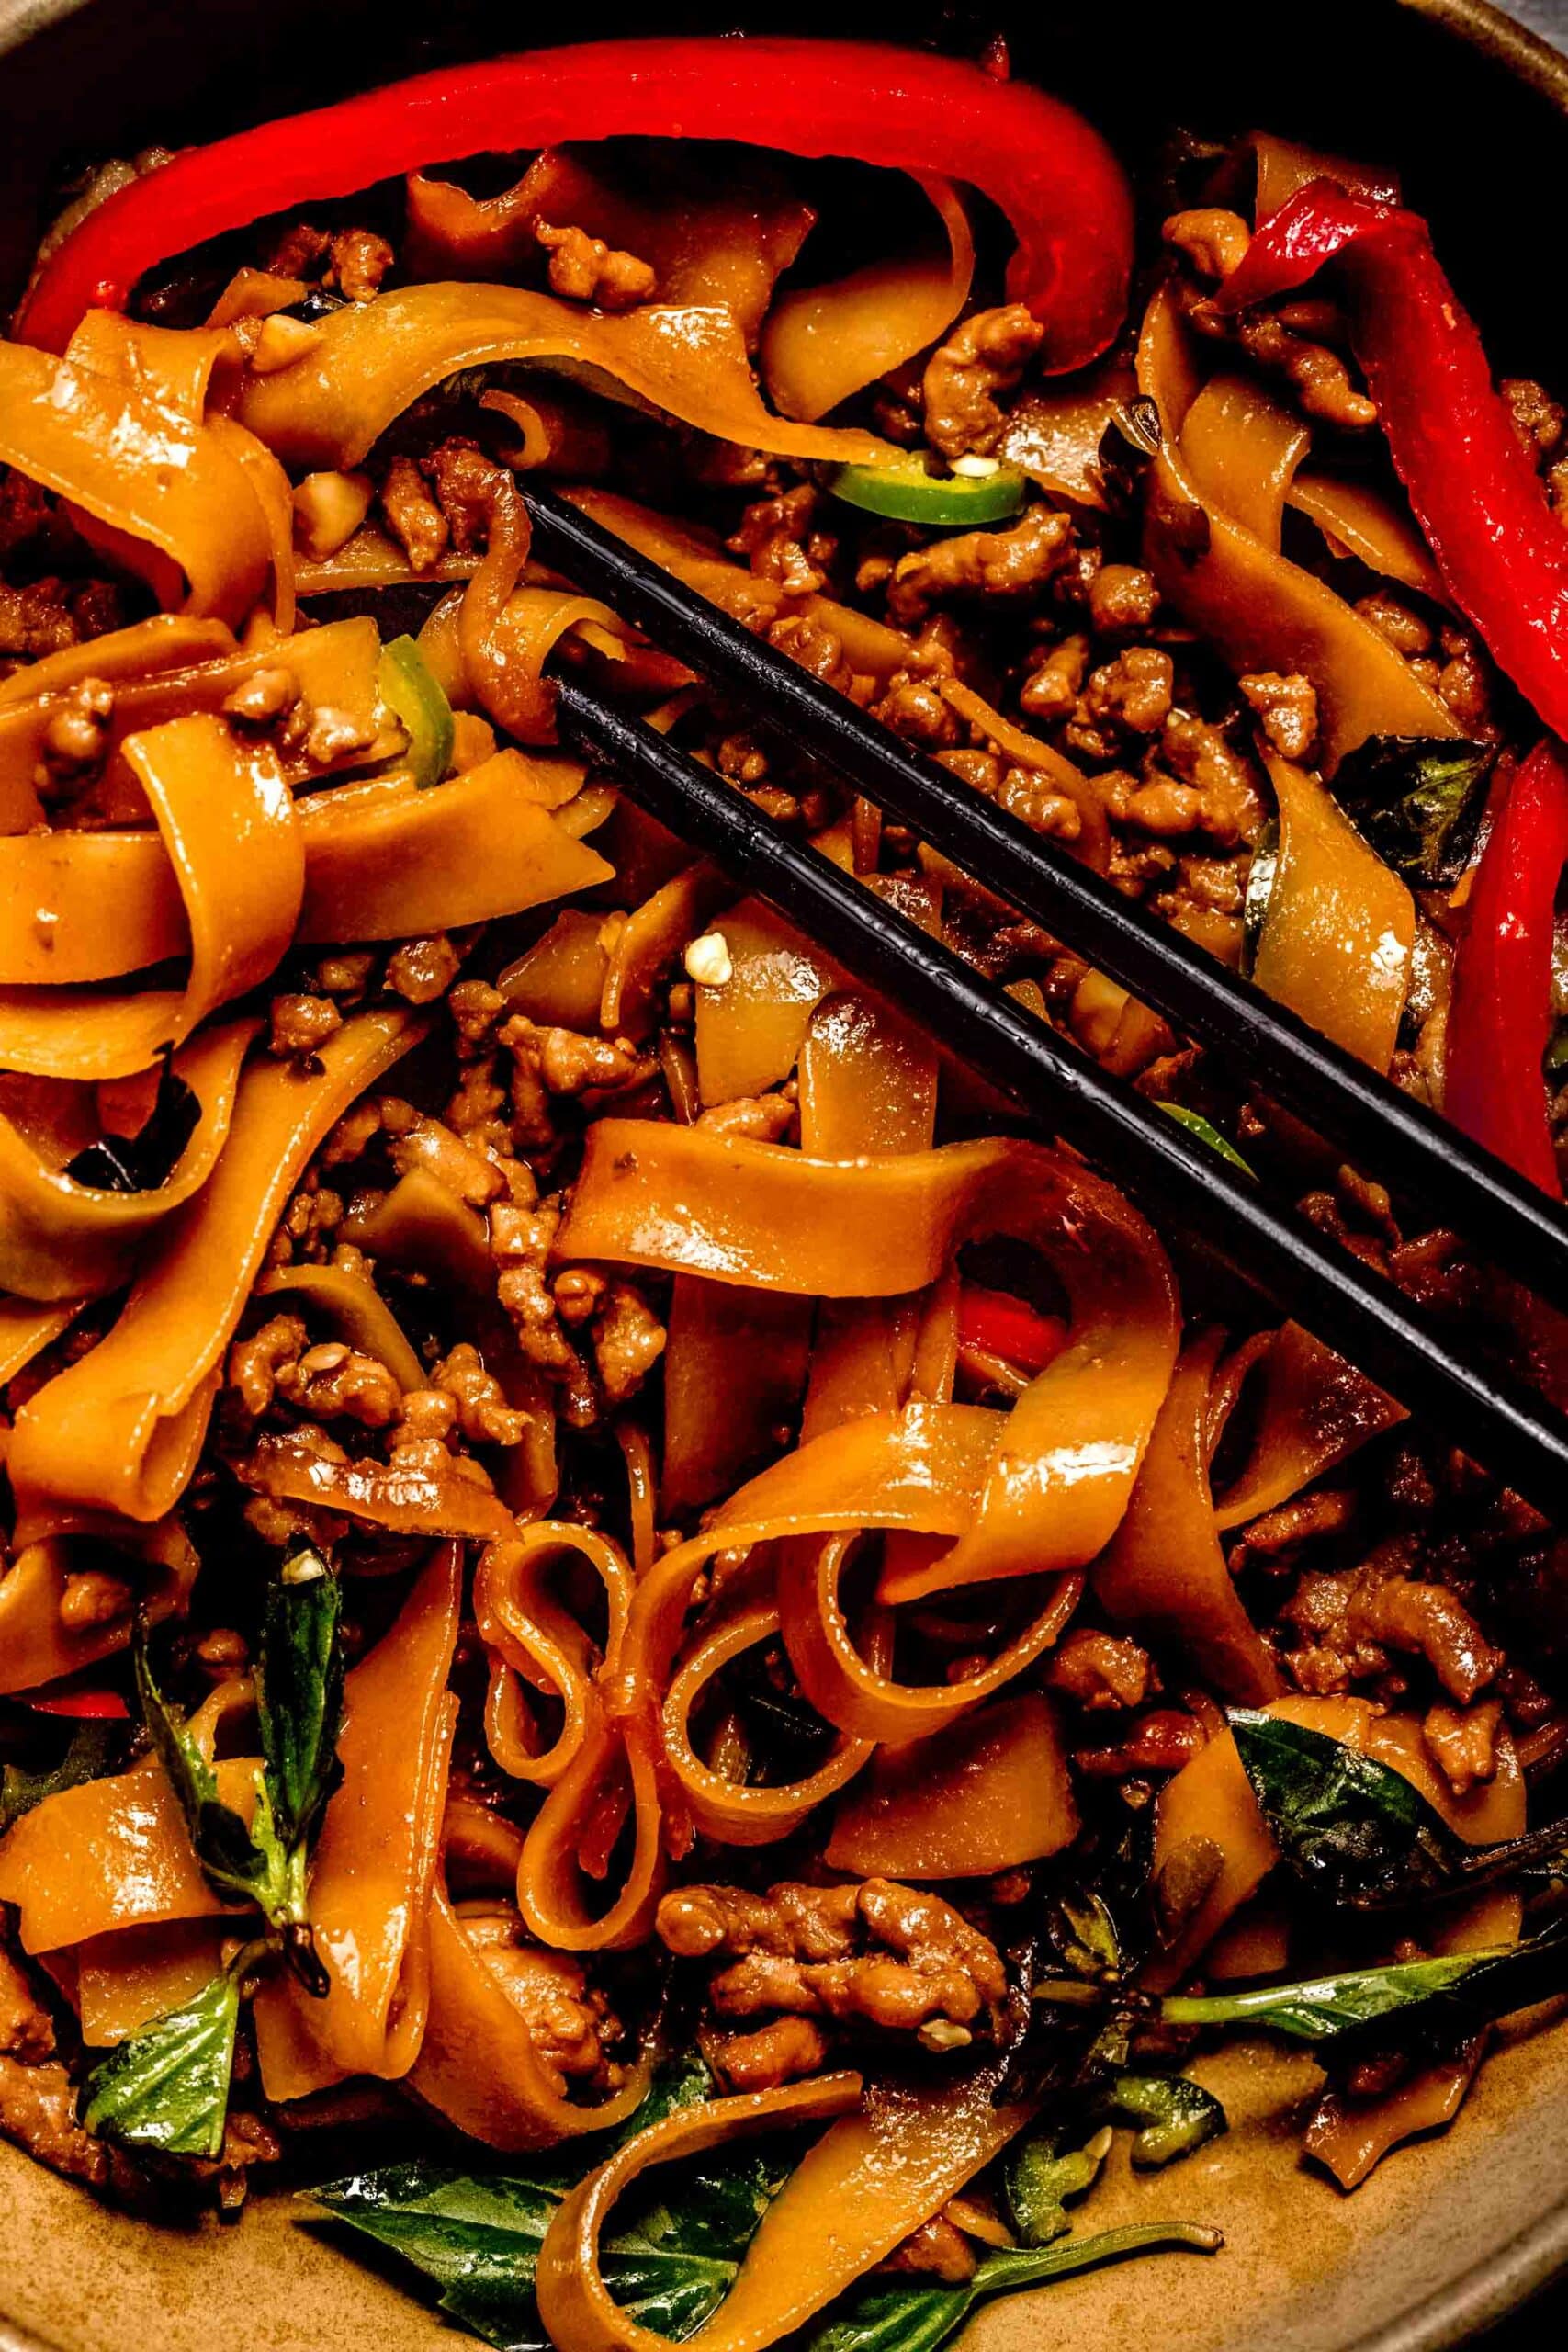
1454	1991
224	1847
1175	2115
300	1693
141	1162
893	2315
1418	801
1356	1830
475	2237
167	2087
94	1749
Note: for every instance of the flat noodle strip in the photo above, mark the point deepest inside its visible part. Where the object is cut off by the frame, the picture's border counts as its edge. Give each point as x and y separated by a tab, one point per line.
729	1811
372	360
1261	612
168	641
335	666
707	243
37	1645
533	1637
145	470
120	1431
374	1868
79	907
1316	1411
383	861
26	1328
129	1977
60	1240
1164	1571
116	1852
1339	927
477	2065
821	343
886	2165
230	829
754	1213
171	367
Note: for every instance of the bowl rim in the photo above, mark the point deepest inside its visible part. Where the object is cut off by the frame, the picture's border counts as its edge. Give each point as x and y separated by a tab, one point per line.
1500	2283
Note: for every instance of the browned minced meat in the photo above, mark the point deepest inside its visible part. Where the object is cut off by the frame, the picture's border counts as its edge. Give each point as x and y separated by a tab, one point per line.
585	269
891	1955
1348	1618
983	358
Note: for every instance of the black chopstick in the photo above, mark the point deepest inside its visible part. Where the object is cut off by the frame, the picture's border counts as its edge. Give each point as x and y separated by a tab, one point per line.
1522	1440
1378	1127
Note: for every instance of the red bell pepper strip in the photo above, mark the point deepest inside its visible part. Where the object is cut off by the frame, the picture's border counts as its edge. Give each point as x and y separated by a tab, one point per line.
1052	175
1502	551
1000	1325
80	1706
1500	1018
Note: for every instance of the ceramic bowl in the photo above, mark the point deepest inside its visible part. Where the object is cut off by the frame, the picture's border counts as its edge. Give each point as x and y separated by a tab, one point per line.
1444	2237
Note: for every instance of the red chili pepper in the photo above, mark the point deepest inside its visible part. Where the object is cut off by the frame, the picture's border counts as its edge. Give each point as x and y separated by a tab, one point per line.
1500	1017
82	1706
1051	174
1502	551
1003	1326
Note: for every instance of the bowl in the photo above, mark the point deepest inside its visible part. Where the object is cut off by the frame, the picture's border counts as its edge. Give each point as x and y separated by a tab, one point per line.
1445	2237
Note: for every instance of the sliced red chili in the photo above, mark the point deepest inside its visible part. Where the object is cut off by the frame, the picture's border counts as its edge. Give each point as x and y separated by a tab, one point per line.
1500	1018
1047	169
1000	1325
80	1706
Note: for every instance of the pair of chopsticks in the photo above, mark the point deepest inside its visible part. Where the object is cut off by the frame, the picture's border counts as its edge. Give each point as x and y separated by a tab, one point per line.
1517	1435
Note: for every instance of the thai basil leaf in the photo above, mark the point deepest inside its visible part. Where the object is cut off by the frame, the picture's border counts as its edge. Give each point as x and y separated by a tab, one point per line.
1206	1132
1260	879
167	2087
1356	1830
884	2315
1175	2116
229	1855
300	1694
475	2237
1457	1989
93	1750
141	1162
1417	800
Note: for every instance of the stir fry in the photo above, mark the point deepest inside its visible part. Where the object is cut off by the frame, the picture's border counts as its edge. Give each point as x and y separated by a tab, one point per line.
617	1596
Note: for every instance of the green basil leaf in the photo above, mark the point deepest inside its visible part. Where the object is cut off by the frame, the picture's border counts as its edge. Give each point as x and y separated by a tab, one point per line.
1417	800
94	1749
1175	2116
475	2237
1325	2007
229	1855
1206	1132
299	1693
890	2315
167	2087
1356	1830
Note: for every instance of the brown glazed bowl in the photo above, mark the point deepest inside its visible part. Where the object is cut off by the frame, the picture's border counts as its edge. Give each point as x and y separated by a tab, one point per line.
1446	2237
